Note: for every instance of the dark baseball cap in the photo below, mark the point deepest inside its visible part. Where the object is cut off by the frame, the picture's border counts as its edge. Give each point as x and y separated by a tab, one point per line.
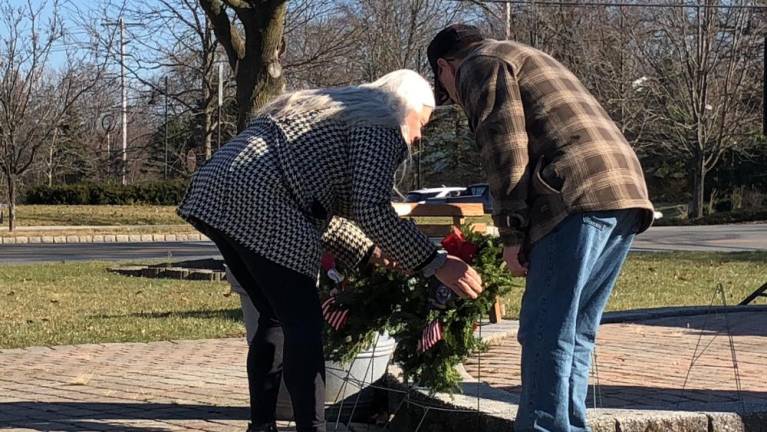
447	42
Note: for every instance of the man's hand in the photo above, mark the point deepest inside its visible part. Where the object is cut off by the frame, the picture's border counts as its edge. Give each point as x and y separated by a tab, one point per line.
511	256
460	277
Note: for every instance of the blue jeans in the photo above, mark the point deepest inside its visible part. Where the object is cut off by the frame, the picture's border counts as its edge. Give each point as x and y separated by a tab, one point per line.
571	274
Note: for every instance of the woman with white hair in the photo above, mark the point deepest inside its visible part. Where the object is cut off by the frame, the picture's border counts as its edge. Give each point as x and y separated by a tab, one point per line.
314	171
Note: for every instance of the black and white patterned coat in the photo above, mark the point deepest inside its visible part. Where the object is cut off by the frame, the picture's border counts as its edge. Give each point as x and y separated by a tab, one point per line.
288	187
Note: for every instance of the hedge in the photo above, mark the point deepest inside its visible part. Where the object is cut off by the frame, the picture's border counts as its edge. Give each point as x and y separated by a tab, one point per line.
155	193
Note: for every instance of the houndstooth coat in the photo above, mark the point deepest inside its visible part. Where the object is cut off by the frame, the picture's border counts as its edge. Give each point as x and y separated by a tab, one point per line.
288	187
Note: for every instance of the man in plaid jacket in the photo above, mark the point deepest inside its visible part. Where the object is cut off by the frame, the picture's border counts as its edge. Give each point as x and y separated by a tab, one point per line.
569	197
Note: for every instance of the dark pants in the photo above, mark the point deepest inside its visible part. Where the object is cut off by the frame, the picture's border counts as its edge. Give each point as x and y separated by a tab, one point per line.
289	337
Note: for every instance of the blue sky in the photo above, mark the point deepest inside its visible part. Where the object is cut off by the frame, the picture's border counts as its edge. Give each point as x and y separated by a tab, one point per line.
73	13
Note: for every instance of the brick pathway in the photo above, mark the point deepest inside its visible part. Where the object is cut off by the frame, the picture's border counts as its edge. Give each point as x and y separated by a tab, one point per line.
187	385
643	365
201	385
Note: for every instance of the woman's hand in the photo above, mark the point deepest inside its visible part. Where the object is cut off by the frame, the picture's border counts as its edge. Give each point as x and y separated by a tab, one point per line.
460	277
378	259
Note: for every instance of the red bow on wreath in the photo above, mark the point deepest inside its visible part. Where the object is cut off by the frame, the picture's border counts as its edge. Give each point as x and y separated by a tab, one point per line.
455	244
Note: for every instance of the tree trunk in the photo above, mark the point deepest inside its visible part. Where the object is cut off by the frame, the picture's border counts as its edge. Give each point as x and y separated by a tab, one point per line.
11	182
206	83
207	127
259	73
50	157
698	185
206	150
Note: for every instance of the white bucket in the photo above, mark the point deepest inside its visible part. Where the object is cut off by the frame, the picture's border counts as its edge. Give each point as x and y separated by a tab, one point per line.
341	381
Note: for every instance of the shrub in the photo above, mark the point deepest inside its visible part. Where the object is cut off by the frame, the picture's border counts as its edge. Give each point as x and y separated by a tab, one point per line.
155	193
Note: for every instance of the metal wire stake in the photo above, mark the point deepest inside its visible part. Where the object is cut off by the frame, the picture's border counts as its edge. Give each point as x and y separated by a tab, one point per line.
371	368
426	411
479	379
731	340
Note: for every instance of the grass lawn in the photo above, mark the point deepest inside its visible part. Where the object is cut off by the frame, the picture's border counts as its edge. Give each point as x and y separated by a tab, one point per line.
653	280
58	215
53	304
47	215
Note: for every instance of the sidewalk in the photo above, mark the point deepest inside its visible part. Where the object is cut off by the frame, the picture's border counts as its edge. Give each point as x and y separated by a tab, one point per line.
201	385
101	234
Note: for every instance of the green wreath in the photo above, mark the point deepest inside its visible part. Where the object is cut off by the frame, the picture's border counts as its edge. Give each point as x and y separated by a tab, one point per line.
434	329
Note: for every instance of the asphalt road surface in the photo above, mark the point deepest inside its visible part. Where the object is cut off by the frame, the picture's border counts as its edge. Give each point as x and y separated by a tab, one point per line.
725	238
18	254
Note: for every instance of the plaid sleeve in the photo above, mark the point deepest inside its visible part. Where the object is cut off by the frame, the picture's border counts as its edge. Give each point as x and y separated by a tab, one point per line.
375	154
490	96
347	242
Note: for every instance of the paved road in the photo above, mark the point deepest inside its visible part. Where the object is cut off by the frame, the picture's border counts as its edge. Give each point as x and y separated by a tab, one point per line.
723	238
16	254
728	238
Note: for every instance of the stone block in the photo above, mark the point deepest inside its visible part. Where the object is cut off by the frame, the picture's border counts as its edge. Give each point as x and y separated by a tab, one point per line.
202	274
661	421
174	273
150	272
726	422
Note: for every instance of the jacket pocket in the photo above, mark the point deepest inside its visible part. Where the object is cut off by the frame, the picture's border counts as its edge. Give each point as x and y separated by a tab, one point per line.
541	186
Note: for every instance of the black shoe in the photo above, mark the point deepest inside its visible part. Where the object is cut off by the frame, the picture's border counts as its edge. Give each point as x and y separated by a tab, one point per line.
269	427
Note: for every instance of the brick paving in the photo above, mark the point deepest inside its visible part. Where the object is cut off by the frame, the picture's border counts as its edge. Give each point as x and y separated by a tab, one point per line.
186	385
643	365
201	385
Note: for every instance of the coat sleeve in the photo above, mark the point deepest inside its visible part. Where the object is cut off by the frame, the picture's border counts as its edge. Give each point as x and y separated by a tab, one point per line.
376	152
346	242
490	95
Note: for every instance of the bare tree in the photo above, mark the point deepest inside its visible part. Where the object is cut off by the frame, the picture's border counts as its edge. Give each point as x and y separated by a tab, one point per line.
33	97
704	61
395	34
176	40
251	33
320	43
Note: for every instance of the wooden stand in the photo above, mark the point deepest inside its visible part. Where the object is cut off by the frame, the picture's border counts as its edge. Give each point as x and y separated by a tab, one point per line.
457	214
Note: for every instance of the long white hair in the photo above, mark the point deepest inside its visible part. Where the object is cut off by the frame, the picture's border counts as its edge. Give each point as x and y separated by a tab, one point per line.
384	102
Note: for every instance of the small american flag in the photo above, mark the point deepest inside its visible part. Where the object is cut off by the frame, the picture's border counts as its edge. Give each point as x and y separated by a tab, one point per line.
430	336
334	315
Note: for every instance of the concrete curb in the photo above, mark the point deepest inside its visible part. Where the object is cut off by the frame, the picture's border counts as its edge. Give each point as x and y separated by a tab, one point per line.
498	409
104	238
650	314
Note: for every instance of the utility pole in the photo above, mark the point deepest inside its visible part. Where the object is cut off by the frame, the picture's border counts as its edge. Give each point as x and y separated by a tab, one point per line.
220	103
165	176
508	20
124	111
124	101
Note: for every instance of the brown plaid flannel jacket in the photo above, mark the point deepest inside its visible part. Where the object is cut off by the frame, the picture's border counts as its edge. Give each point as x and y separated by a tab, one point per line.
549	148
